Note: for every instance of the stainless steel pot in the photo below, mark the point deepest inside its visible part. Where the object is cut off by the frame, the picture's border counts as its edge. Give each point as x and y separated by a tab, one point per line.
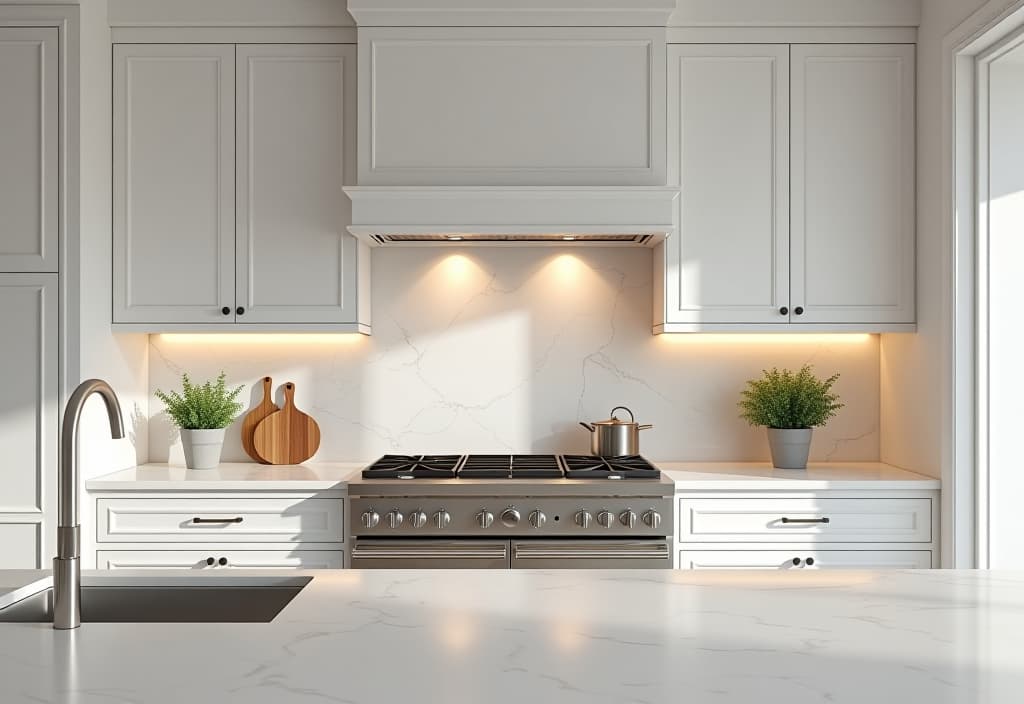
614	437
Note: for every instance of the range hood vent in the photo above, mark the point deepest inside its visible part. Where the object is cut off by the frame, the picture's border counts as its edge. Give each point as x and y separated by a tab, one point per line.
512	215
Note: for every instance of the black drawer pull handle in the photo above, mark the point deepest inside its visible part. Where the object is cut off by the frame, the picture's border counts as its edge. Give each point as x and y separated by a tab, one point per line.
796	561
225	310
823	519
810	561
210	561
222	561
236	519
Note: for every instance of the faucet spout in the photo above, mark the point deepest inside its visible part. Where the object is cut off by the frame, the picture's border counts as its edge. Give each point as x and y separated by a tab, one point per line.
66	570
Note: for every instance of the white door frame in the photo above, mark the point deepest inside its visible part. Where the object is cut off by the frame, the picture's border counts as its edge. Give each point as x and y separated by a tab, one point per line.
965	468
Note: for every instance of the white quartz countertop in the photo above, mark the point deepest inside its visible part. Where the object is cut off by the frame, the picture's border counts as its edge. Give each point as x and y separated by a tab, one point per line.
839	476
563	636
229	477
734	476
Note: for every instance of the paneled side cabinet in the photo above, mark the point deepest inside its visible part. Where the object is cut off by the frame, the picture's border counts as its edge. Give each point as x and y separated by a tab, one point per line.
229	163
796	173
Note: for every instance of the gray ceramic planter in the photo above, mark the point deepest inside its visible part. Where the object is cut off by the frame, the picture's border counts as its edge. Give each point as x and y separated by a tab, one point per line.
202	447
790	447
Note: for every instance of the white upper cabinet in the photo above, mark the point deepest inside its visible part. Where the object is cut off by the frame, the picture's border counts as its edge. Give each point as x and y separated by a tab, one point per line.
229	164
174	174
492	106
853	183
295	140
729	153
29	178
796	173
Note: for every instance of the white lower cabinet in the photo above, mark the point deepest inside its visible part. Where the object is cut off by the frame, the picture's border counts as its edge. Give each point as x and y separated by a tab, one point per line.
798	558
875	529
212	557
242	530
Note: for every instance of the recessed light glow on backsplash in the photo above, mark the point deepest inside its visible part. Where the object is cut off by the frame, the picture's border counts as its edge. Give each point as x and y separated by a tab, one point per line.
248	338
766	338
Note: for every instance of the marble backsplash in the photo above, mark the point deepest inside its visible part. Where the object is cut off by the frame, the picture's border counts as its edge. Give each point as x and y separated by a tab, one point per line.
506	349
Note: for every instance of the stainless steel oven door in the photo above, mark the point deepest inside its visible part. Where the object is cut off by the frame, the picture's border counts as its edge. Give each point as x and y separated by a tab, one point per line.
591	554
430	554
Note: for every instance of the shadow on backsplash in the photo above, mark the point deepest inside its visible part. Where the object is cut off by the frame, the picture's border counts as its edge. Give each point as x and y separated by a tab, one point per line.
504	350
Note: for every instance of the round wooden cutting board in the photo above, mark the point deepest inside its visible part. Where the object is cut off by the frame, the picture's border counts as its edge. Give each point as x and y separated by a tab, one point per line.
287	436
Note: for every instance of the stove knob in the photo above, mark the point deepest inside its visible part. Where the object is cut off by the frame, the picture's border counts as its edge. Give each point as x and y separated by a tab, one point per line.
370	519
485	518
417	519
442	518
628	518
605	519
394	518
538	519
652	518
583	519
510	517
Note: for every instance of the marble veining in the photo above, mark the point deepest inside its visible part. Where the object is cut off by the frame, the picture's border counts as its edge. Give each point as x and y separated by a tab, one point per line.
559	636
505	349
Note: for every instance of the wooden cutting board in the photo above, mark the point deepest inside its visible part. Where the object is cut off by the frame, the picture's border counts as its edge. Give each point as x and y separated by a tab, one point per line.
287	436
253	418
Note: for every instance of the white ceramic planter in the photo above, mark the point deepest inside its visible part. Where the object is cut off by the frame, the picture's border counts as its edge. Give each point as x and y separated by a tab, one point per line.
202	447
790	447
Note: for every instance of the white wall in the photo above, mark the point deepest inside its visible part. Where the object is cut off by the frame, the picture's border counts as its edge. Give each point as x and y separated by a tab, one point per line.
122	360
506	349
912	365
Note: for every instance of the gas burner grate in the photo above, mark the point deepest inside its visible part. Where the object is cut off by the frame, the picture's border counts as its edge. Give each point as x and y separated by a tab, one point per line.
511	467
627	467
413	467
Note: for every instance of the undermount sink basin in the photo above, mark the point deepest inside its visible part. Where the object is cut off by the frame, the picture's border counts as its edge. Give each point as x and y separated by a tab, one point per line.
150	600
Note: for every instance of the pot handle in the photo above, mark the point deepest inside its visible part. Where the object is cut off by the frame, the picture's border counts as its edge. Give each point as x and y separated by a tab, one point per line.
632	419
587	426
647	426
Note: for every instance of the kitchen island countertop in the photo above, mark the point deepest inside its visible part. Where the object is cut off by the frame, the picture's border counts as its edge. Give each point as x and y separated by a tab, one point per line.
571	636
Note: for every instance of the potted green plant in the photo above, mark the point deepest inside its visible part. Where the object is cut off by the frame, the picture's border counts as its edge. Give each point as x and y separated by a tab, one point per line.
790	405
202	412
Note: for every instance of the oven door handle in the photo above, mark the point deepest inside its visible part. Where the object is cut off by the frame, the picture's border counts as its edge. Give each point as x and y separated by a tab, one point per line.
582	551
428	552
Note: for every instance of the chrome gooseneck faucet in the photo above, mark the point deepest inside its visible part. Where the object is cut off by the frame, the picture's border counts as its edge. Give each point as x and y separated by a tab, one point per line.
67	572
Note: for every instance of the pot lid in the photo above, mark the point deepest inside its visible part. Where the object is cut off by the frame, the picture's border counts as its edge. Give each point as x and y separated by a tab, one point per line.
614	420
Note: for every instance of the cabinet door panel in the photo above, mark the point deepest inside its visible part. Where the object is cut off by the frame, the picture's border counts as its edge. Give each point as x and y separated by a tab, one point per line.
28	149
853	183
821	559
174	169
729	153
28	415
296	263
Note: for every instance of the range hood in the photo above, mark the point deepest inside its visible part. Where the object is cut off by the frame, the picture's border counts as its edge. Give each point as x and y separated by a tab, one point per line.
512	215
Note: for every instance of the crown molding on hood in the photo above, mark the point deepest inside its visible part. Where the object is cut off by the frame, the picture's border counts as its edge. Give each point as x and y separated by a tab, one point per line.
518	13
600	215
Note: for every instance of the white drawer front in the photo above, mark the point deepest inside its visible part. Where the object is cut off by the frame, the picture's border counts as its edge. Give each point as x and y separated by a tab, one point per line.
808	559
285	520
814	520
201	557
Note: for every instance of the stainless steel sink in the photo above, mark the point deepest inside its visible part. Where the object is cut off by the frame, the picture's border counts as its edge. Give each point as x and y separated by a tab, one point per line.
152	600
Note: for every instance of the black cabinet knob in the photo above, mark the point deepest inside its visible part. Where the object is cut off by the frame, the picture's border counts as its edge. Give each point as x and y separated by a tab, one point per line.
798	310
222	561
210	561
225	310
796	561
784	310
240	310
810	561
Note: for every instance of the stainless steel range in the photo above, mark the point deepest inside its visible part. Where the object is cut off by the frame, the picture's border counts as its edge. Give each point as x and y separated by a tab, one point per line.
518	511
